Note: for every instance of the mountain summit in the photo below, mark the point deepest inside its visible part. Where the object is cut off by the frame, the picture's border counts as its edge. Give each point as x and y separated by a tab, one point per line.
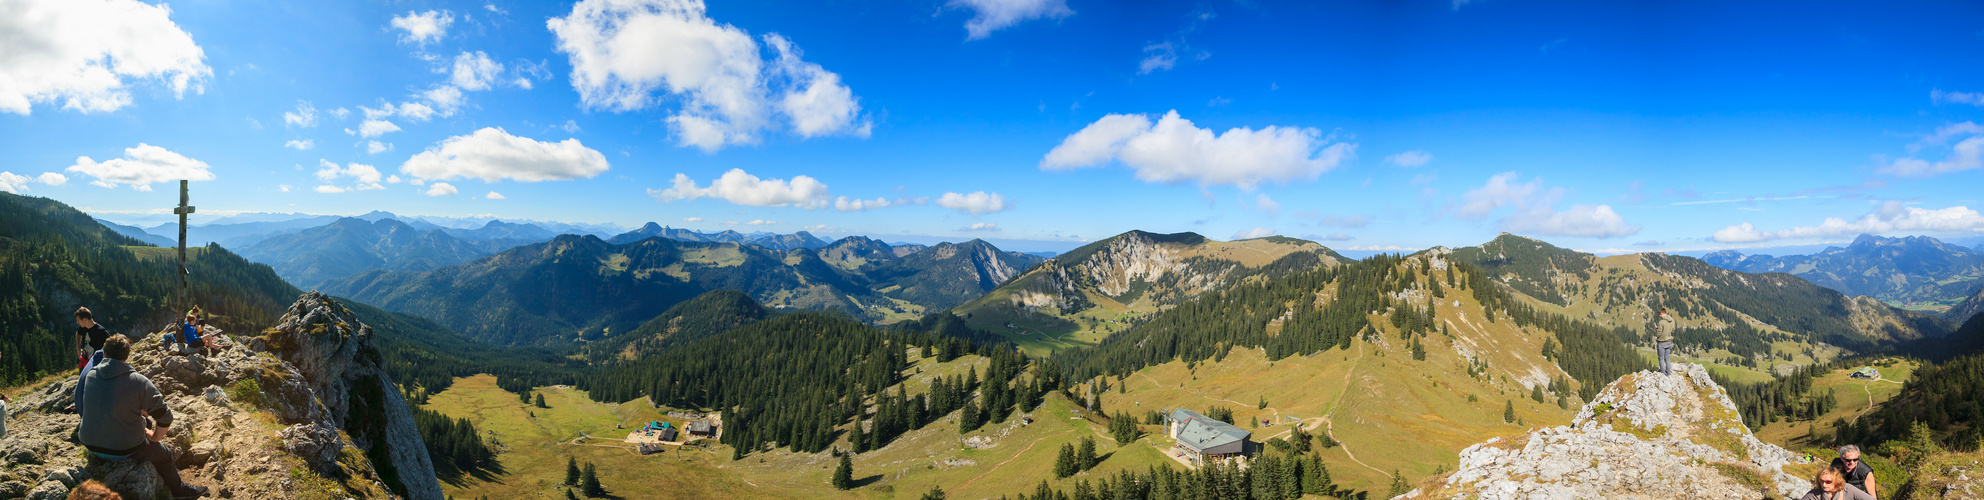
1647	435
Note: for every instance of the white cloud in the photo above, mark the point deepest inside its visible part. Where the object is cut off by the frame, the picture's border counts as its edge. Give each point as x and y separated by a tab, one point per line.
366	177
341	113
994	15
1174	150
446	99
762	222
1338	237
440	189
375	128
982	226
300	145
846	204
417	111
14	183
305	116
570	127
393	179
376	147
1267	205
141	166
84	52
328	189
423	27
1938	96
742	188
1534	210
817	227
1889	217
976	203
53	179
692	219
1967	154
1158	56
475	71
283	187
1409	159
491	154
624	51
494	196
1259	232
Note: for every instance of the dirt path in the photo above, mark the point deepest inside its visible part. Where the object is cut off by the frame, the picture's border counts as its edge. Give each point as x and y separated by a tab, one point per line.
1329	425
1016	456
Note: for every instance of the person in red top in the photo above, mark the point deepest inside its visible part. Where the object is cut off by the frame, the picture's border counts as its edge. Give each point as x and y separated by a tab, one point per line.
88	332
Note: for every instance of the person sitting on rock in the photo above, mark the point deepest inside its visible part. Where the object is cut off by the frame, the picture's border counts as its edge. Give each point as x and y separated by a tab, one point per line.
1830	484
93	490
114	406
1857	472
1663	339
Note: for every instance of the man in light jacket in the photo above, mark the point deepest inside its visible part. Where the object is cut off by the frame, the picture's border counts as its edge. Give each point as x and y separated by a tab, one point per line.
114	406
1663	340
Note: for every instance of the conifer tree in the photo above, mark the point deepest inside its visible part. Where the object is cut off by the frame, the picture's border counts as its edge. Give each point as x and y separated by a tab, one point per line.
1319	482
856	439
570	496
1399	486
1064	462
589	482
540	401
969	420
1509	412
844	475
936	493
571	471
1085	456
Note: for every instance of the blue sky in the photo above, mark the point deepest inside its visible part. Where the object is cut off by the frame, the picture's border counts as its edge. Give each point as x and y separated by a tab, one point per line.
1634	126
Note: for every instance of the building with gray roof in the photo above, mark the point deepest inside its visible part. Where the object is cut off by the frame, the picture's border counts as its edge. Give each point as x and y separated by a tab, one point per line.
1202	438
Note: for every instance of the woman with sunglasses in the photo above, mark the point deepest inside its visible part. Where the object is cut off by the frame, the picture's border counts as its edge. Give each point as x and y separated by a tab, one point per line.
1830	484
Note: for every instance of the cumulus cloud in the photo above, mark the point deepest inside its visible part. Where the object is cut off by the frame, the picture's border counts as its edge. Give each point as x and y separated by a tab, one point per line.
494	196
329	189
305	116
846	204
83	53
1938	96
440	189
474	71
761	222
1533	210
1967	154
1891	216
300	145
692	219
738	187
976	203
365	177
1409	159
376	147
625	51
423	27
1174	150
140	167
375	128
994	15
982	227
16	183
492	154
1259	232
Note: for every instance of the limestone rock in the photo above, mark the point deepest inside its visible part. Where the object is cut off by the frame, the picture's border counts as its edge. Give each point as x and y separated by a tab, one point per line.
129	478
1647	435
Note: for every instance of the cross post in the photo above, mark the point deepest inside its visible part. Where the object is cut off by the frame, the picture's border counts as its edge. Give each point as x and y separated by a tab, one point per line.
183	210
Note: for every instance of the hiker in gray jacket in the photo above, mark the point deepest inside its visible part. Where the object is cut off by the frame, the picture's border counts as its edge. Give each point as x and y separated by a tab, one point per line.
1663	339
114	407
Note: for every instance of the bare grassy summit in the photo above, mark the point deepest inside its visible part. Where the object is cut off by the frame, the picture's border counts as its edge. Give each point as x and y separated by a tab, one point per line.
1647	435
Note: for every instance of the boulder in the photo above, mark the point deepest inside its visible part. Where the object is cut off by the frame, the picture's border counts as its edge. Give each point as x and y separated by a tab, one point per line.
316	443
131	479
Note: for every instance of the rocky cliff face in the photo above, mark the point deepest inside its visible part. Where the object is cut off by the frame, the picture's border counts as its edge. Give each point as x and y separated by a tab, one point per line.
1647	435
303	411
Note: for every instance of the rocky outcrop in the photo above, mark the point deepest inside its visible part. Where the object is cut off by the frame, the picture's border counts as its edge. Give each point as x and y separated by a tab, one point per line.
1647	436
295	413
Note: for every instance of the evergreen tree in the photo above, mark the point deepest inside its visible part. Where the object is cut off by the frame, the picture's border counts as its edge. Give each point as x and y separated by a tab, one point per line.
1509	412
844	475
856	440
571	471
540	401
1064	462
1319	482
936	493
1085	456
525	396
589	482
569	495
969	420
1399	486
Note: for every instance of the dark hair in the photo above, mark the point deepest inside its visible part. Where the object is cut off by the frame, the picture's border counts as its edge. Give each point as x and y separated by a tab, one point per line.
1663	309
83	313
118	347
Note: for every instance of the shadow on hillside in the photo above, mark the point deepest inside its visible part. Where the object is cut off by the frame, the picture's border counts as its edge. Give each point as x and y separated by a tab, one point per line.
448	472
867	481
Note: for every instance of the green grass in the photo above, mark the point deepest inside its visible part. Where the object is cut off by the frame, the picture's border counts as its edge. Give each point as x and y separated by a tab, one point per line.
1855	397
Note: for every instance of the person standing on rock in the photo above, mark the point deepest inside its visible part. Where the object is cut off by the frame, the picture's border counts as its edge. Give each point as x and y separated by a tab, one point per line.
1831	485
114	407
1857	472
88	332
3	415
1663	340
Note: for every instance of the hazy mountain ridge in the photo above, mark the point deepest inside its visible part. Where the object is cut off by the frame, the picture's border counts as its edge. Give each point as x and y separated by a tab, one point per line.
583	287
1916	271
350	246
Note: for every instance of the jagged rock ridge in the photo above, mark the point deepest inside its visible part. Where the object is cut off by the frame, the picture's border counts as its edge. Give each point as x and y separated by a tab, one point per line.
301	411
1646	435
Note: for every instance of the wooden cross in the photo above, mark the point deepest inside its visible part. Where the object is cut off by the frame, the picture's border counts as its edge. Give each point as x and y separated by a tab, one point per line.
183	210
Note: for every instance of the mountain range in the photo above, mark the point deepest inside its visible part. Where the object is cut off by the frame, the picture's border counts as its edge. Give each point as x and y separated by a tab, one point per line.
582	287
350	246
1916	272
